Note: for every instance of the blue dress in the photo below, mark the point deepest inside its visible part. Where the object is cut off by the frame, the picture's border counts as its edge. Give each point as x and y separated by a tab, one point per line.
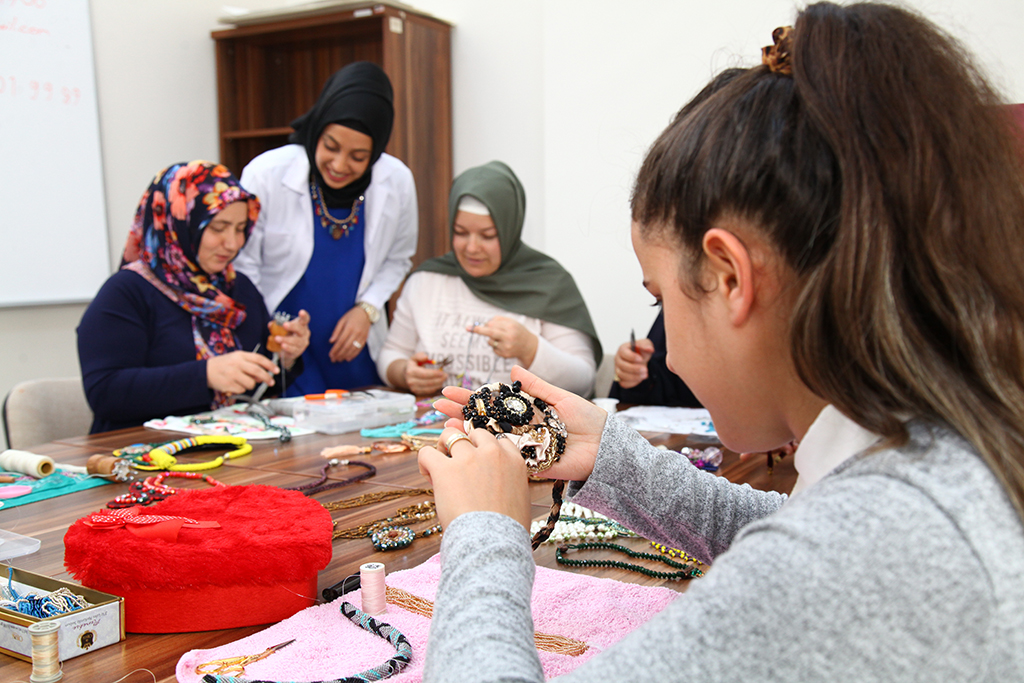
327	291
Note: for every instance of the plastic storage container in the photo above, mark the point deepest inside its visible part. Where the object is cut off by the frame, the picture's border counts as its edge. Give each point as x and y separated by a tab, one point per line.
358	410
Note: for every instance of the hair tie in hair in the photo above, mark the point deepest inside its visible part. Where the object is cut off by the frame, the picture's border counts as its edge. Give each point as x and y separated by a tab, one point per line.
777	57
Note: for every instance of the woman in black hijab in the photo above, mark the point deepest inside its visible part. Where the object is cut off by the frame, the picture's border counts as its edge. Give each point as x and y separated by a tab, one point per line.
338	227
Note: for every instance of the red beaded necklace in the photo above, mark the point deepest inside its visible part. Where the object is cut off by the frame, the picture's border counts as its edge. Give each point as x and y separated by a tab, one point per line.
153	489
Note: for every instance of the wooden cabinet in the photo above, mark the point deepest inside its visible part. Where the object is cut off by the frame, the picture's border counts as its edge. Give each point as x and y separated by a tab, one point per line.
270	72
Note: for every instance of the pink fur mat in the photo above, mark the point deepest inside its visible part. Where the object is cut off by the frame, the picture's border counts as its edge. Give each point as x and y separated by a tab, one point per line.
596	611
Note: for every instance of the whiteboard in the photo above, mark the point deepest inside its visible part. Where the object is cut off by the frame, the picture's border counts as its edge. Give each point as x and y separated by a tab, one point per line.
53	235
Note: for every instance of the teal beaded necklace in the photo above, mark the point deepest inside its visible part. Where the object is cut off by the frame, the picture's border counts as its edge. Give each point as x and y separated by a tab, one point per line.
686	571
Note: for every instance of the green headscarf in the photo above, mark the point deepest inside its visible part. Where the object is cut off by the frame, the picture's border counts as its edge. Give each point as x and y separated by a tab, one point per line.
527	281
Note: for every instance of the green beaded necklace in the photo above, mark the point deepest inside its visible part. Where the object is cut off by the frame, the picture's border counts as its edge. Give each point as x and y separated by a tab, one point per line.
686	571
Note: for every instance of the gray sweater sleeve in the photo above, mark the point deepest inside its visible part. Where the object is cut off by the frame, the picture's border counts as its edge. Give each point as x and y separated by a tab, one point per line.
864	577
664	498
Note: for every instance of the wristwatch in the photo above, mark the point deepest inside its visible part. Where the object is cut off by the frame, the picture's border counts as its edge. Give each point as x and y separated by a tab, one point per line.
371	311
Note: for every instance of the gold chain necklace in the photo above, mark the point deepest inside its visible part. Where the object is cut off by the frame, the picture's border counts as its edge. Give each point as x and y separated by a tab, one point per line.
376	497
338	227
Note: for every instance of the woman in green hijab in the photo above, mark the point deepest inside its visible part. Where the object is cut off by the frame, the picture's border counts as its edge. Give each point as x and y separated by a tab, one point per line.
492	302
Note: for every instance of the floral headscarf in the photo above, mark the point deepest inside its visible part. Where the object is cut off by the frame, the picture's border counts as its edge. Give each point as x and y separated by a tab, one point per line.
164	241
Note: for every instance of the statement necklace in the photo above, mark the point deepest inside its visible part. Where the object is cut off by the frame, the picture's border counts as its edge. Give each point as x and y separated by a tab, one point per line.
393	533
532	425
152	457
686	571
153	489
338	227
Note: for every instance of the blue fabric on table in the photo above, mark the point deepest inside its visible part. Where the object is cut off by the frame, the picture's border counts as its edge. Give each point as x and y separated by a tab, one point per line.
327	291
138	356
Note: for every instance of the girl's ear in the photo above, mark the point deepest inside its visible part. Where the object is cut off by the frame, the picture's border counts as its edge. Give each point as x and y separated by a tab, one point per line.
728	262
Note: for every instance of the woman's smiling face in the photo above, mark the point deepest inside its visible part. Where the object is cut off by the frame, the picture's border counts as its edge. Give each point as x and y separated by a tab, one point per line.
342	155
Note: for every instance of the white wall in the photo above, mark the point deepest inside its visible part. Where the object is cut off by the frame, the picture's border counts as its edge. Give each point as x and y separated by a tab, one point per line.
571	93
156	86
568	92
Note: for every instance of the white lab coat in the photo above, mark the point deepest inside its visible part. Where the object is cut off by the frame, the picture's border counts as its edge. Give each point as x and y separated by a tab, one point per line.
281	244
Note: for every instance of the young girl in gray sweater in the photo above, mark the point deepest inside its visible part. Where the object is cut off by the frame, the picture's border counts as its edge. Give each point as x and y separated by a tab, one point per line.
837	239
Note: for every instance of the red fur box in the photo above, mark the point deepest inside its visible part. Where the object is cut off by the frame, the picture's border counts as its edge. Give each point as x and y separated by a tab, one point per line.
259	567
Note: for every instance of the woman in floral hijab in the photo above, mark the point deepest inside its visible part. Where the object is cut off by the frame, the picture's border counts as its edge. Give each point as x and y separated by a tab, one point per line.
167	333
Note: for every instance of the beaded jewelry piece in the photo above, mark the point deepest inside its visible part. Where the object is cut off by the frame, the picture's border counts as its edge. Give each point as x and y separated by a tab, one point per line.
398	537
318	485
675	552
707	459
686	571
375	497
60	601
508	412
153	489
577	523
392	533
263	415
338	227
162	457
403	651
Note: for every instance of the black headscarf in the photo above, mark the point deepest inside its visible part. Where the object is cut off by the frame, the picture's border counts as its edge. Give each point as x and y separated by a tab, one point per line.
357	96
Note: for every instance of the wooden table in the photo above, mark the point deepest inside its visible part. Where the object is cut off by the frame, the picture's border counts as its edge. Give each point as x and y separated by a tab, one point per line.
274	463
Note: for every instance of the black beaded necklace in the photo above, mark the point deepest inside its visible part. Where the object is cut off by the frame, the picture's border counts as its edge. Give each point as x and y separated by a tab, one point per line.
686	571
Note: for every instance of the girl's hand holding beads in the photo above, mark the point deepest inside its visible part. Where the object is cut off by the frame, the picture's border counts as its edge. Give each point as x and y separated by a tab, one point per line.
583	420
480	473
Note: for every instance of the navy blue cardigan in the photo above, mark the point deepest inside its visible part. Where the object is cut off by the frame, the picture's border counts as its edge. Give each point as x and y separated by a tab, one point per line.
137	355
662	387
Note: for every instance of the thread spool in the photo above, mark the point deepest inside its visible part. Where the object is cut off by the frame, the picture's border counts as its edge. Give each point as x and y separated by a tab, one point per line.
371	581
37	466
101	464
45	656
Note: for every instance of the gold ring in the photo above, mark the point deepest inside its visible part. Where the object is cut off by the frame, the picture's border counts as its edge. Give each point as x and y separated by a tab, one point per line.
494	343
450	441
357	344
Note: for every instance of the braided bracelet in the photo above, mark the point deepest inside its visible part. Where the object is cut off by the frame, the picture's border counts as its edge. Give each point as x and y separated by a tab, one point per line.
403	652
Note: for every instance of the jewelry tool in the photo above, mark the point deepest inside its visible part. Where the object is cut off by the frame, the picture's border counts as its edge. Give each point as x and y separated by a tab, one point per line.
235	666
276	330
438	364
